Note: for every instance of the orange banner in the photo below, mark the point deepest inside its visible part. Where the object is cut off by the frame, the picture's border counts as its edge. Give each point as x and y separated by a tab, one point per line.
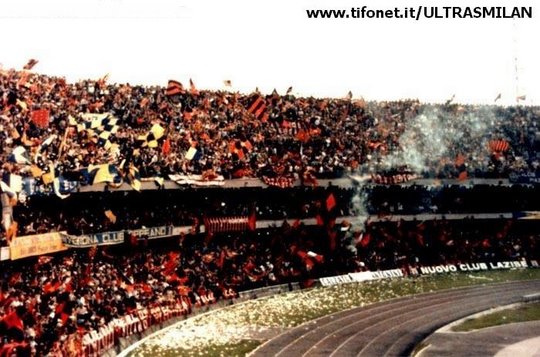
38	244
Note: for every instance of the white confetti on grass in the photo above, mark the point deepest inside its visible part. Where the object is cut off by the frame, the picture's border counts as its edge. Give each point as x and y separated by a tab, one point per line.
238	329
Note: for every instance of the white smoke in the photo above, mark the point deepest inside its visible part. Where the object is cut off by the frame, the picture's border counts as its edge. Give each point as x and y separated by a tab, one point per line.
359	204
437	135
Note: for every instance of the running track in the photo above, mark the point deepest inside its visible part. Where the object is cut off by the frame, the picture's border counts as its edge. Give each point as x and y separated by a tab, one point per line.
394	327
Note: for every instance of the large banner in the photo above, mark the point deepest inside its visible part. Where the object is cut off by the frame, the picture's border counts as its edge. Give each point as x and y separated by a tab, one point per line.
527	215
37	244
89	240
176	231
427	270
472	267
525	178
110	238
153	232
361	276
198	180
4	253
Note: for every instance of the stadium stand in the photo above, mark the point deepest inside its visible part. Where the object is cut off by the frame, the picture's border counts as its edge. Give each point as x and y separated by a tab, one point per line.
92	131
85	263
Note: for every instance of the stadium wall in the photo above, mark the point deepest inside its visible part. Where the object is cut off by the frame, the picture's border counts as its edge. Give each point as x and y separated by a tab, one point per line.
126	345
47	243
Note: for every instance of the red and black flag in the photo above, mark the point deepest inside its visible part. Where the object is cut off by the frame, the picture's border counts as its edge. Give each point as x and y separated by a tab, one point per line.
174	88
13	321
171	263
192	89
166	147
15	349
103	81
499	145
30	64
258	109
330	202
240	148
40	117
364	239
461	167
252	221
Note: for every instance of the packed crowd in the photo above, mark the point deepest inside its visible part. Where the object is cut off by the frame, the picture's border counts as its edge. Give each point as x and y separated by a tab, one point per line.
48	303
50	128
451	199
189	131
84	213
427	243
58	299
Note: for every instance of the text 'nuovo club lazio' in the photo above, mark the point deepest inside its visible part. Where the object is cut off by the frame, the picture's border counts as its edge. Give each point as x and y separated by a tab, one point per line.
426	270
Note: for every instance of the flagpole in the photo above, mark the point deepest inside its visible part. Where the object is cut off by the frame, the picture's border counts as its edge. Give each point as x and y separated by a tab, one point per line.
61	149
515	48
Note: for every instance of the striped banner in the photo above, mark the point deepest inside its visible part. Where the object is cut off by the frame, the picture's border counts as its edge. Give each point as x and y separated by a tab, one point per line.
499	145
281	182
174	88
258	109
229	224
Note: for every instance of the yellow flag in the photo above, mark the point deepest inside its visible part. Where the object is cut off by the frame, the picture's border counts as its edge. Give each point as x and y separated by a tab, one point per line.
111	216
36	171
158	131
47	178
